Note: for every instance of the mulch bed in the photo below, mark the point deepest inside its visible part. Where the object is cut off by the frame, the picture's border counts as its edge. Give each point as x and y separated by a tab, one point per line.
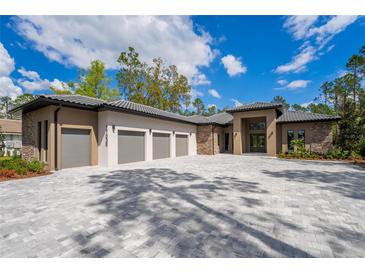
29	175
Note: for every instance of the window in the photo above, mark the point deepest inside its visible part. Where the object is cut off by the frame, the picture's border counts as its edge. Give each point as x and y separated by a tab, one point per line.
290	139
301	135
257	126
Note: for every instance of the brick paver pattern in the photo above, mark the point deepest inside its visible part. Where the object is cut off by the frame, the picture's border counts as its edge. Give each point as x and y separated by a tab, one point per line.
198	206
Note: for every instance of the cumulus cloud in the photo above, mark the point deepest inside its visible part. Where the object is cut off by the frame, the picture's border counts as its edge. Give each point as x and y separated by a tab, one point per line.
7	64
31	81
7	88
76	40
298	84
295	84
214	93
196	93
33	75
299	62
200	79
236	102
233	65
282	82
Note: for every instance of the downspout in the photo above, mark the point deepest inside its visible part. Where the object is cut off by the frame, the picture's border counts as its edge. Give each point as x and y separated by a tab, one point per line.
55	137
212	140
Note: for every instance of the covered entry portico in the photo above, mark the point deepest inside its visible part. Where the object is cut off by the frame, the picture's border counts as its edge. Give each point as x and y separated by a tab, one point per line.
255	130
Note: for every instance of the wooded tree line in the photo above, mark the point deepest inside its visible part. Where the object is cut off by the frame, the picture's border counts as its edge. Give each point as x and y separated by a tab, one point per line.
344	96
162	86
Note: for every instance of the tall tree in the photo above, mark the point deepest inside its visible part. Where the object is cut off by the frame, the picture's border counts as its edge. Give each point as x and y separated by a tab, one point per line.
22	99
5	104
297	107
211	110
92	82
281	100
199	106
157	85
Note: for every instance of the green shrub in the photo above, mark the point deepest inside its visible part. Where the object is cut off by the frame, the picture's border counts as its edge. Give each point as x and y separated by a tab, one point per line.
361	148
20	166
35	166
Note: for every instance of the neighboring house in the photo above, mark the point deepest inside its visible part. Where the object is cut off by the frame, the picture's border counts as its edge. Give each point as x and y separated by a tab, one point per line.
12	131
71	130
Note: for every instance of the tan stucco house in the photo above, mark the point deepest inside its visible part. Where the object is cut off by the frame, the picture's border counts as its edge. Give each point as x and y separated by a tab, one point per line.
72	130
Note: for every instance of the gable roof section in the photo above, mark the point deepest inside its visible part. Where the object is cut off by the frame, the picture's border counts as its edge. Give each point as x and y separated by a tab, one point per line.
301	116
255	106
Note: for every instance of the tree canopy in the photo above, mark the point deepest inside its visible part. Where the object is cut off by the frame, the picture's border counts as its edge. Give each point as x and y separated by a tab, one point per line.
92	82
158	84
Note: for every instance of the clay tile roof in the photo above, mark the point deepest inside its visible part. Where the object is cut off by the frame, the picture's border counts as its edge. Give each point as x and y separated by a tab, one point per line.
255	106
301	116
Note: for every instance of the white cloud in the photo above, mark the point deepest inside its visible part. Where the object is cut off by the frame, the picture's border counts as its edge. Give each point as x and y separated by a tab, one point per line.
211	105
7	66
316	33
299	62
7	88
200	79
306	104
236	102
33	75
298	84
196	93
298	26
333	26
76	40
7	63
282	82
214	93
33	82
233	65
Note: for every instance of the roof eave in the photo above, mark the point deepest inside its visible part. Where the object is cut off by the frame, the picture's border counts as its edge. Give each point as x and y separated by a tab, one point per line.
247	110
119	109
310	121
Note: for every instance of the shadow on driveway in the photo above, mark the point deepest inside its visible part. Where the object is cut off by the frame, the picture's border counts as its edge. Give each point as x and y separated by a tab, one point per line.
180	214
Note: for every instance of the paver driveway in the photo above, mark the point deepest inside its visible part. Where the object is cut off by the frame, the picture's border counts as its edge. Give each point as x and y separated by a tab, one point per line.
200	206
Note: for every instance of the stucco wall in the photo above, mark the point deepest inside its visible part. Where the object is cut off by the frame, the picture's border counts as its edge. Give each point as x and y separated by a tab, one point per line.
239	132
108	138
318	135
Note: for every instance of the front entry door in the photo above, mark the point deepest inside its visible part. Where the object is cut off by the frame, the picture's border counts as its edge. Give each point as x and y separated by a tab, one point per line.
257	142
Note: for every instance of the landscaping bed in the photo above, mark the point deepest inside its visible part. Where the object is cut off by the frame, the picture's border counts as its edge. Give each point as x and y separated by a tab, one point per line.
17	168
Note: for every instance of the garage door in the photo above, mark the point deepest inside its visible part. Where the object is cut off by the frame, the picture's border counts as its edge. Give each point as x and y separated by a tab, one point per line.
181	145
75	147
131	146
161	145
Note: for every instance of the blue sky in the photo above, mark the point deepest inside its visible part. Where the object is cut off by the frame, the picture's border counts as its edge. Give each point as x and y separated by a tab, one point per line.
228	59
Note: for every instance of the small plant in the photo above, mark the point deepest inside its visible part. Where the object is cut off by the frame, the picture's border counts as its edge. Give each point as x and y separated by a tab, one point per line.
7	173
20	167
35	166
361	148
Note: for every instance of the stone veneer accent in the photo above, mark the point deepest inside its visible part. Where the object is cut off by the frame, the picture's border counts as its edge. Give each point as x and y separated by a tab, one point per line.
205	139
321	137
28	138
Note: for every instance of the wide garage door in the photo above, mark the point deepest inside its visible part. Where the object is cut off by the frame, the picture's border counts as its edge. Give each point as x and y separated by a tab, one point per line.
75	147
131	146
181	145
161	145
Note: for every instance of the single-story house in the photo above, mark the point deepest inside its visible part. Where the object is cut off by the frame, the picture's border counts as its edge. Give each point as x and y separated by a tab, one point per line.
12	132
72	130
